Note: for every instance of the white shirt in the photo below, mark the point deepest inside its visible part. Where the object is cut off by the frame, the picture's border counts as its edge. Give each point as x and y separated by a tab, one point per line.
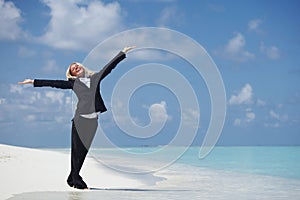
87	82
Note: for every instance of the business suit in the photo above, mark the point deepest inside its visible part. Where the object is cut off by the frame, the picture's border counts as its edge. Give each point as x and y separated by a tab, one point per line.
83	129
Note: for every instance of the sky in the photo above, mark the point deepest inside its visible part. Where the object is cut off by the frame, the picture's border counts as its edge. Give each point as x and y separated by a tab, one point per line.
255	46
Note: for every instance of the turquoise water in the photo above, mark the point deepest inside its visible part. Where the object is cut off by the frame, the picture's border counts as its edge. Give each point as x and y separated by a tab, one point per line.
273	161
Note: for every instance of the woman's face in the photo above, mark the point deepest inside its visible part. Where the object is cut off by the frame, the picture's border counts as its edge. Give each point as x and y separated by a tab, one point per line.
76	70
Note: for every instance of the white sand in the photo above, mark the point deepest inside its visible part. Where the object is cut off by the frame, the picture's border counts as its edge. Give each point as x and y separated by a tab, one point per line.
32	170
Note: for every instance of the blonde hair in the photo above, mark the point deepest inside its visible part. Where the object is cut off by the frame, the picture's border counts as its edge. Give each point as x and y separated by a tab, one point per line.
87	71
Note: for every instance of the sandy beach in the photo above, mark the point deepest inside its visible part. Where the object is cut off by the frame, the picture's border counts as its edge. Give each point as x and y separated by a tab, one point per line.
28	173
26	170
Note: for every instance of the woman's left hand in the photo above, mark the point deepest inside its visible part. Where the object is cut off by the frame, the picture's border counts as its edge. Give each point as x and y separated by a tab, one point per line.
26	81
126	49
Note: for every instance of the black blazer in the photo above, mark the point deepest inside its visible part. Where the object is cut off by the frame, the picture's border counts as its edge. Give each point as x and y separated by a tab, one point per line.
86	103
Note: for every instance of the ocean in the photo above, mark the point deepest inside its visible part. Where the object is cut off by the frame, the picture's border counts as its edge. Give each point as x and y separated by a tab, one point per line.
177	173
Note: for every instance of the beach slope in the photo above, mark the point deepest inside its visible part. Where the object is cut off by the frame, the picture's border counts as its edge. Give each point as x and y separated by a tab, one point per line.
34	170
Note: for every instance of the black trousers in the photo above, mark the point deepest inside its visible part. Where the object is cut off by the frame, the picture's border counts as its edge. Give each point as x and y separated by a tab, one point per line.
83	132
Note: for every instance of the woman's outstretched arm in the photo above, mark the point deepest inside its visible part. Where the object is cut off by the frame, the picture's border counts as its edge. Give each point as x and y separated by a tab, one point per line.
113	63
61	84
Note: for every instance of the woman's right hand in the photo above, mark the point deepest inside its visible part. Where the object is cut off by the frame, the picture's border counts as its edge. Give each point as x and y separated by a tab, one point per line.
126	49
26	81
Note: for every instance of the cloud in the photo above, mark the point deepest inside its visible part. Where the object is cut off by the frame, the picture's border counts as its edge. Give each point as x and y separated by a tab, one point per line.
243	97
16	89
191	117
2	101
274	115
254	24
158	112
153	45
235	49
277	116
121	116
30	118
237	122
168	15
27	104
275	119
76	25
10	18
248	107
260	102
55	97
51	66
272	52
248	117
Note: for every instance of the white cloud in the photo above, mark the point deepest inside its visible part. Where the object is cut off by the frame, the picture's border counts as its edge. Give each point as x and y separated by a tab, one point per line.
253	25
158	112
273	114
2	101
277	116
235	49
27	104
30	118
55	97
271	52
33	97
16	89
250	116
275	119
51	66
168	15
60	119
69	100
10	17
191	117
243	97
237	122
120	115
260	102
75	24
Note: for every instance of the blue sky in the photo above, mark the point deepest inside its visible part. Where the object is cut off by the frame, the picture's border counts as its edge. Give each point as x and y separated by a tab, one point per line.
255	45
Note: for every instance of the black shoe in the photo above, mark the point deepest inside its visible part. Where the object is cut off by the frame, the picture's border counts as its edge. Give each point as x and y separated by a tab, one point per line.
80	184
70	181
77	182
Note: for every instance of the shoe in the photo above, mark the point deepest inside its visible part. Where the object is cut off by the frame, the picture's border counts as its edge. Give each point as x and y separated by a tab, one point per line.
70	181
80	184
77	182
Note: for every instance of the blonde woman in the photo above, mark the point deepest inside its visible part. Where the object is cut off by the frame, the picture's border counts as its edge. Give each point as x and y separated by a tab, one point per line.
86	86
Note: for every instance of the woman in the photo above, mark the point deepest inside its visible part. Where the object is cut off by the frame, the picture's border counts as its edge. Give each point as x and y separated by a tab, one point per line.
86	86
